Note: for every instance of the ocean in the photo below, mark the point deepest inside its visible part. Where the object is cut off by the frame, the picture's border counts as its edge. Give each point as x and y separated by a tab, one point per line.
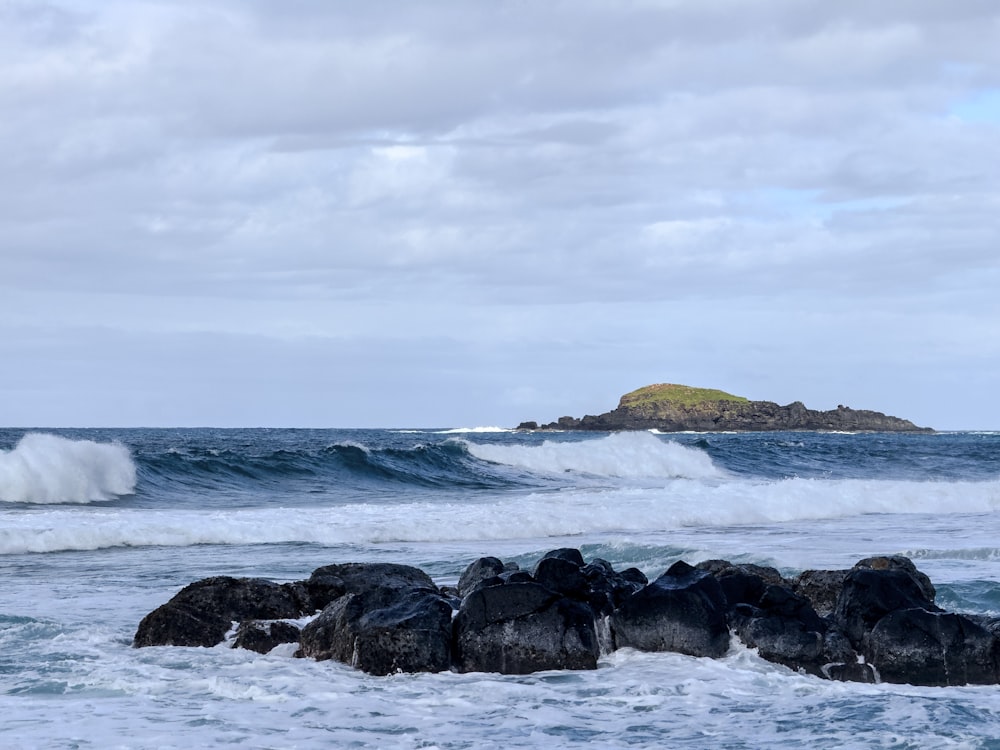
99	527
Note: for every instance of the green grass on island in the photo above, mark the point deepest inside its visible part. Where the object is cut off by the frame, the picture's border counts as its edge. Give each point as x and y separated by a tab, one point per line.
678	395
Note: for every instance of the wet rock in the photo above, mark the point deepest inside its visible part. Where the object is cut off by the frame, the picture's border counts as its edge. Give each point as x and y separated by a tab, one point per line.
562	575
330	582
920	647
784	628
684	610
608	589
478	571
262	636
821	587
518	628
382	630
202	613
869	594
742	583
899	562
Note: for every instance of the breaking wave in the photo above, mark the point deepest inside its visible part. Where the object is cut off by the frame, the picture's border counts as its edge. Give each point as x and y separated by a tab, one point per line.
45	468
632	455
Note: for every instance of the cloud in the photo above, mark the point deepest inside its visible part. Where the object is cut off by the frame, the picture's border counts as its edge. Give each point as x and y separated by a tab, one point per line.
544	180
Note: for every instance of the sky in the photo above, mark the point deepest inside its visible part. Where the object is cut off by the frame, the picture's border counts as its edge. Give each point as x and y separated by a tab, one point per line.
313	213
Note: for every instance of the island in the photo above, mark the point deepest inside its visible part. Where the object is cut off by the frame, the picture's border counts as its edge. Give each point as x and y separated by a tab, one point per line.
669	407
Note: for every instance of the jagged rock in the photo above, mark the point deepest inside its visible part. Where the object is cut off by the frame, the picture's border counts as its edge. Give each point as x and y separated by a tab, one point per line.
742	583
562	575
383	629
478	571
784	628
262	636
919	647
684	610
518	628
898	562
821	587
868	595
383	618
608	589
330	582
202	613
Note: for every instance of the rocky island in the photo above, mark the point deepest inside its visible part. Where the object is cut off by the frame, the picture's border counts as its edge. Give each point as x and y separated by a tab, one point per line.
679	408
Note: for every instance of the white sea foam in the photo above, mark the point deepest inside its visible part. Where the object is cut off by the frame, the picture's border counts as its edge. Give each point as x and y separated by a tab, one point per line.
473	430
46	468
623	454
680	504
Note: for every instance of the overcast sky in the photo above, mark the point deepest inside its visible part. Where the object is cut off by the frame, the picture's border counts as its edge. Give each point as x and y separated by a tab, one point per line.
343	214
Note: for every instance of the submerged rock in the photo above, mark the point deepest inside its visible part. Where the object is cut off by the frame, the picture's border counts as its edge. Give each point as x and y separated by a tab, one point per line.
263	636
203	612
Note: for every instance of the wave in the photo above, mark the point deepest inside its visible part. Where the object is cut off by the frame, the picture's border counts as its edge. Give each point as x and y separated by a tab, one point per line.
298	470
473	430
581	512
631	455
44	468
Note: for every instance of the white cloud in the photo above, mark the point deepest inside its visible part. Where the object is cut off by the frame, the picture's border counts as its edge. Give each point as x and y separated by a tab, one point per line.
609	189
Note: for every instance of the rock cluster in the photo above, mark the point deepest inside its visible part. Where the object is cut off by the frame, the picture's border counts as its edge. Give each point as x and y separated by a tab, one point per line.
874	622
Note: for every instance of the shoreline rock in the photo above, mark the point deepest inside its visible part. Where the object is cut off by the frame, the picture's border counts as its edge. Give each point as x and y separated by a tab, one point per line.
669	407
876	622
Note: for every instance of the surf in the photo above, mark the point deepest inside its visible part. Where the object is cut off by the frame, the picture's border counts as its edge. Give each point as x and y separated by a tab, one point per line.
44	468
626	455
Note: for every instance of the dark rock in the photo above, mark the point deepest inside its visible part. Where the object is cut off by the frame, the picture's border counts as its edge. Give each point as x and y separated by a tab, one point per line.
784	628
821	587
202	613
261	636
634	575
570	554
607	589
684	610
842	662
478	571
742	583
330	582
517	576
383	629
868	595
520	628
898	562
919	647
564	576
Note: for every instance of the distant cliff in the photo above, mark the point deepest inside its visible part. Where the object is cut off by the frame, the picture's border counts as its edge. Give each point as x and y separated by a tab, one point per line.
677	408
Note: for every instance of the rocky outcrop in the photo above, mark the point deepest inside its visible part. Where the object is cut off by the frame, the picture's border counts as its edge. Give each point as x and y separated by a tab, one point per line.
518	628
684	611
675	408
875	622
202	613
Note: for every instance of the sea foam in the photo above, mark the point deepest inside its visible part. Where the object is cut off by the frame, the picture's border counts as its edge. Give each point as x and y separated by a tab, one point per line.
46	468
585	512
625	454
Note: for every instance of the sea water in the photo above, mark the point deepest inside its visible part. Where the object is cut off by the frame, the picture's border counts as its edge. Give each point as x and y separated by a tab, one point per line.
98	527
